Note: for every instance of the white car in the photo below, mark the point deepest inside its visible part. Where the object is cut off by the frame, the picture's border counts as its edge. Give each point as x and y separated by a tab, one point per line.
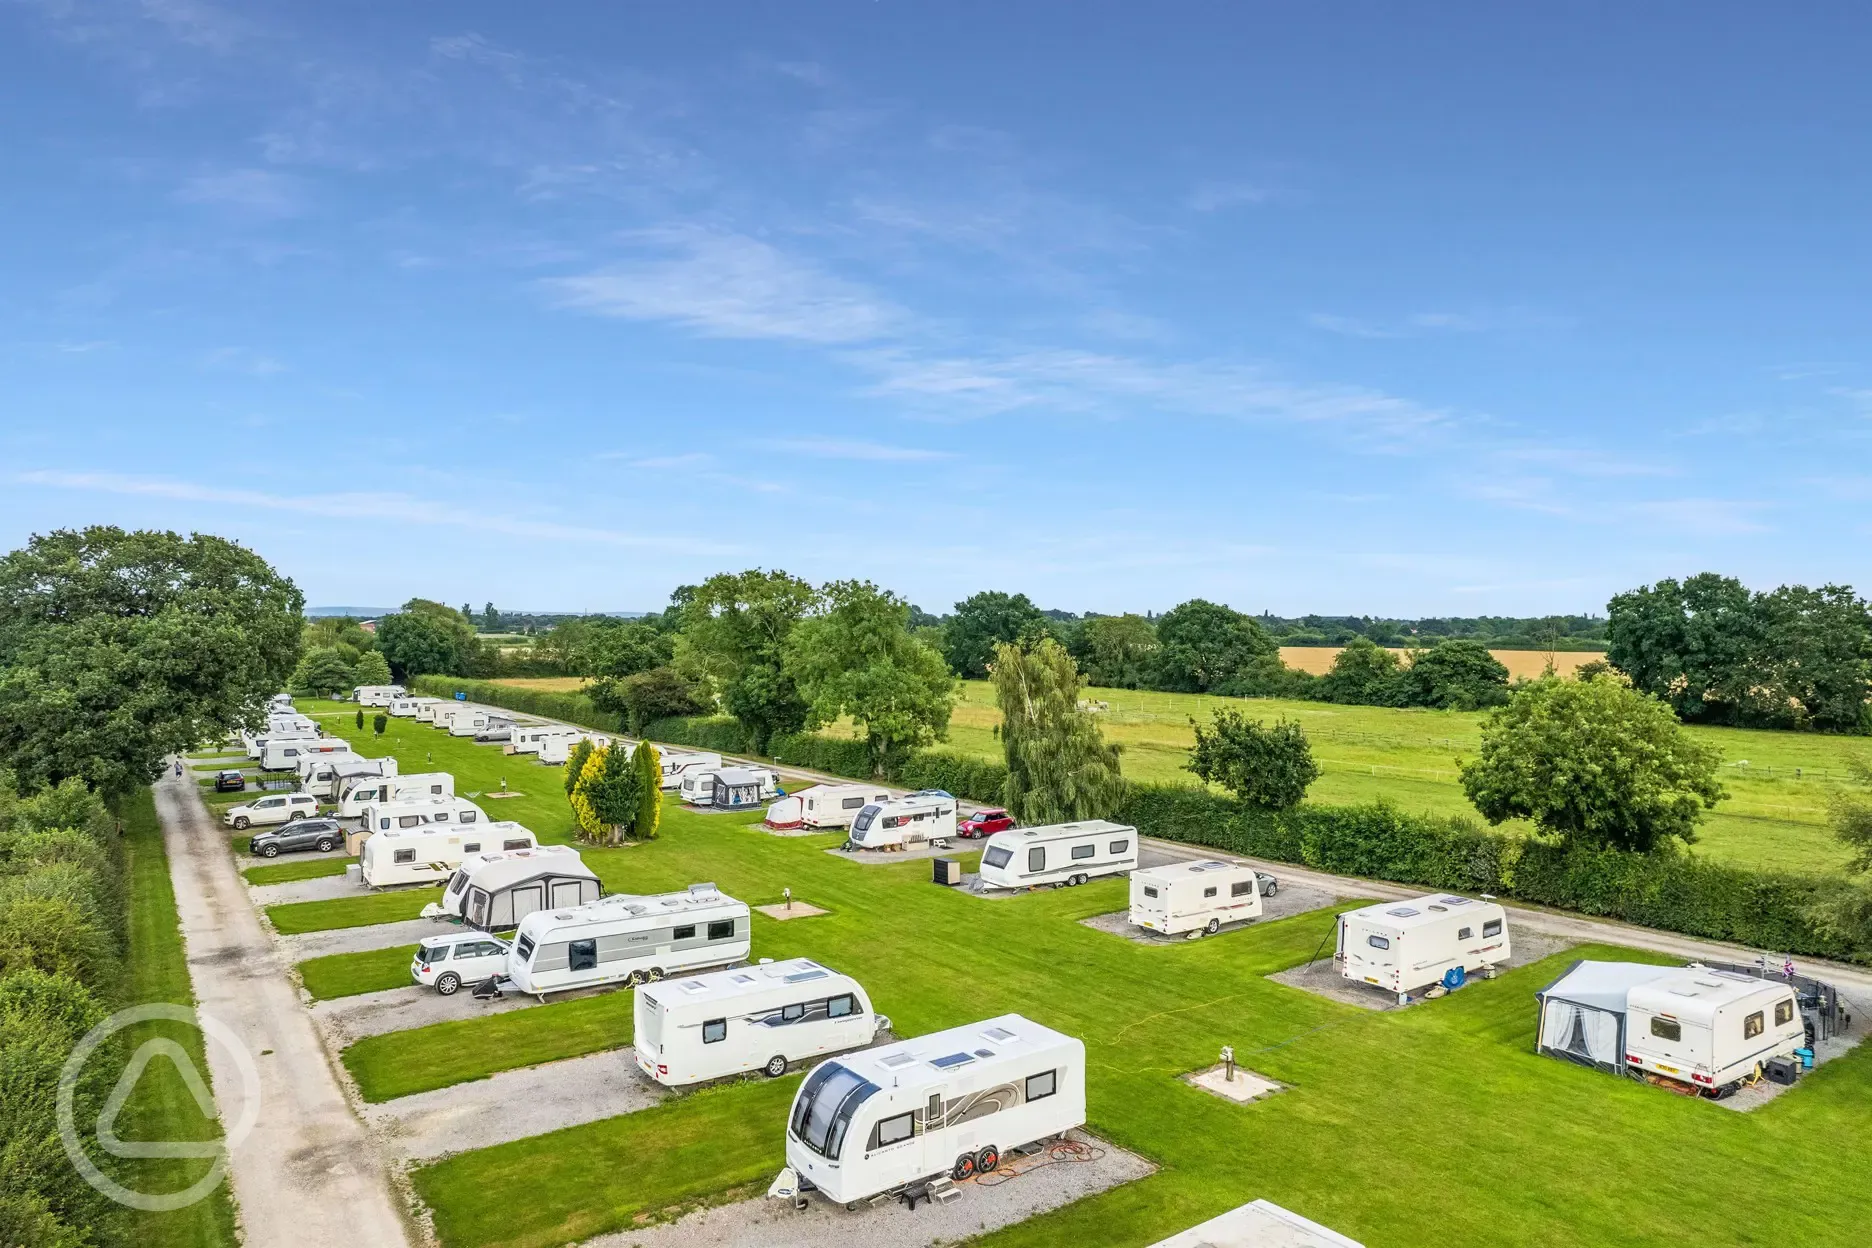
279	808
445	963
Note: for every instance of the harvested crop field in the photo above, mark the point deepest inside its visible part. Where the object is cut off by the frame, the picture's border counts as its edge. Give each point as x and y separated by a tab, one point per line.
1529	663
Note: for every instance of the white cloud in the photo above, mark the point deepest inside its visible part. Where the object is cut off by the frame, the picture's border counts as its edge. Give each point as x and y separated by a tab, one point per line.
726	285
1584	462
252	192
1214	196
842	448
693	459
1350	327
373	506
1417	322
1706	517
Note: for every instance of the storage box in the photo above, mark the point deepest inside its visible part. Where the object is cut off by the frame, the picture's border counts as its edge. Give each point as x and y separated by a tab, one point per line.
948	871
1783	1070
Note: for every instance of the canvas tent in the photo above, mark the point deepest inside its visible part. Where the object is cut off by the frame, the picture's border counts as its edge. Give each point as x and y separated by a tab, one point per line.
1582	1014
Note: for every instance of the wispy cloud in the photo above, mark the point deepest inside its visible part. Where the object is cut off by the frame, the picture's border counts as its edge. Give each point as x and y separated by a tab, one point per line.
1702	517
243	360
84	348
1416	323
1215	196
250	192
372	506
1350	327
843	448
1586	462
692	459
726	285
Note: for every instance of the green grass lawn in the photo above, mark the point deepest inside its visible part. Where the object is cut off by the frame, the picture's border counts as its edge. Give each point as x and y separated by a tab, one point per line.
285	872
292	918
1434	1126
160	1107
348	974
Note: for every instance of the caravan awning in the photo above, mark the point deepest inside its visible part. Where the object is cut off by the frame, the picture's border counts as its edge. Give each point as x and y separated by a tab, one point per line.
1603	985
1582	1014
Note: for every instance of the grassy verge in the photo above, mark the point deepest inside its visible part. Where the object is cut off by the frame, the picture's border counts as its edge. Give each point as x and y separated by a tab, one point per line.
161	1107
686	1152
348	974
286	872
292	918
400	1063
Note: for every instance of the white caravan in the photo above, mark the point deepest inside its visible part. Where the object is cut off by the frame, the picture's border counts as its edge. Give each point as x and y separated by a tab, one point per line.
1402	946
1058	854
679	763
950	1103
377	695
904	823
836	805
280	702
532	738
729	787
284	753
411	812
428	710
556	750
411	707
627	938
1185	896
497	888
428	853
367	790
1710	1028
755	1018
328	778
472	723
278	729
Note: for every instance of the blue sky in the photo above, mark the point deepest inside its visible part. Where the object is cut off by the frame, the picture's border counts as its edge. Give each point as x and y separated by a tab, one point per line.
1369	308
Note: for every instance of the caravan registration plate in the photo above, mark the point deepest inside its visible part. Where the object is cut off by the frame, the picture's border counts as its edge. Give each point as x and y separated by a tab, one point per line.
1669	1070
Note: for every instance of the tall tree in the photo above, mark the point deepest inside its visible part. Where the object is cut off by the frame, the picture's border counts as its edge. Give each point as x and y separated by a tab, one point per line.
613	792
118	648
320	674
660	693
1595	762
1201	645
584	810
576	758
427	638
1118	651
984	621
856	657
1060	768
1457	676
490	619
735	629
649	815
1268	767
1845	913
370	669
1364	673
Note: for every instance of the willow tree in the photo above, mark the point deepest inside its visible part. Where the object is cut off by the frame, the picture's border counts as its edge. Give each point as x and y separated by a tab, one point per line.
648	765
1060	767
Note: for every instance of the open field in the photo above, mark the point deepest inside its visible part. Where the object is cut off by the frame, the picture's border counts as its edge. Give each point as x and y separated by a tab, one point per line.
1520	663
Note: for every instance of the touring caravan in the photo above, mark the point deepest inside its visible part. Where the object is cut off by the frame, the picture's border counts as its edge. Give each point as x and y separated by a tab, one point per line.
497	888
1185	896
366	790
761	1018
432	710
627	938
950	1103
1058	854
729	787
279	729
328	778
904	823
411	812
679	763
377	695
473	723
556	750
428	853
1402	946
284	753
412	708
533	738
836	805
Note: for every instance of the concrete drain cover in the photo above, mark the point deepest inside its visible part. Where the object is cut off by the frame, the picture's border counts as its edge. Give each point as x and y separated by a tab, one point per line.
1246	1086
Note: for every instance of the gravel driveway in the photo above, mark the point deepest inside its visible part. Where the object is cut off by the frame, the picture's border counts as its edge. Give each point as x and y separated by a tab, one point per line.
349	1019
359	939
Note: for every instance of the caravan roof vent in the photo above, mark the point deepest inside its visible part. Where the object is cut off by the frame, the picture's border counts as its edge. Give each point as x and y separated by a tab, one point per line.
999	1034
984	1052
1402	912
563	917
1454	901
744	979
800	977
704	888
694	985
897	1061
952	1061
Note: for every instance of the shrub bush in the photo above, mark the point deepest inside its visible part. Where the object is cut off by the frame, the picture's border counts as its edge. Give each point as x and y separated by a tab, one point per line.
839	755
978	779
721	733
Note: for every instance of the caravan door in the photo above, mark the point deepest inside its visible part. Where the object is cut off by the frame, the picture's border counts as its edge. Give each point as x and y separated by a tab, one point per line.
527	899
566	893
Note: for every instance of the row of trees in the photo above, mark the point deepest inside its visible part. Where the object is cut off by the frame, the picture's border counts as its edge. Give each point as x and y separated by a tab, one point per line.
616	791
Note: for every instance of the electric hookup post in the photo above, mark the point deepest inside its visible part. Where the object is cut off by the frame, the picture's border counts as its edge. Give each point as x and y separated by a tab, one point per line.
1228	1062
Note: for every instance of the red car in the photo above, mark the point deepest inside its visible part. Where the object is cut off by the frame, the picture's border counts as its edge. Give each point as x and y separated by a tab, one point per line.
984	823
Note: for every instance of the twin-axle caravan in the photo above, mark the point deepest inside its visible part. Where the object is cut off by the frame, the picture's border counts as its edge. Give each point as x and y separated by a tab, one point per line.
481	725
404	813
729	787
407	707
949	1103
626	938
428	853
494	890
1186	896
555	749
679	763
328	778
284	754
904	823
1058	854
761	1018
1402	946
825	806
366	791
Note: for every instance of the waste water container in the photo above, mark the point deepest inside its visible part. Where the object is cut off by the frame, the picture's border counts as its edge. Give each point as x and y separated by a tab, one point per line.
948	871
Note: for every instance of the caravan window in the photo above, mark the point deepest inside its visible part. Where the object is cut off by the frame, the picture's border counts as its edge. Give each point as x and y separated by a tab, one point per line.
1666	1028
825	1107
792	1013
840	1007
405	821
685	932
1083	851
1465	933
863	821
474	847
582	955
467	816
460	882
1492	927
1378	942
894	1130
524	947
405	855
1042	1085
1753	1026
997	857
714	1030
521	843
1241	888
852	803
1119	847
1784	1013
1209	892
1150	890
721	929
1036	858
441	816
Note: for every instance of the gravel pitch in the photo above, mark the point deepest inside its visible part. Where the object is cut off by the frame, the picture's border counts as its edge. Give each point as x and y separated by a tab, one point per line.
513	1105
1322	978
358	939
349	1019
1020	1190
1291	899
884	857
320	888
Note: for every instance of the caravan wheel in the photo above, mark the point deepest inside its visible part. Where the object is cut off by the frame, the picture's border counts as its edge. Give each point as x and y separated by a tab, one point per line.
1214	926
987	1159
775	1067
964	1167
654	974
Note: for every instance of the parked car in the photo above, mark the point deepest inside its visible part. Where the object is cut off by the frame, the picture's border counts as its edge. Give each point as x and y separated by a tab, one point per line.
321	834
279	808
932	793
445	963
230	782
984	823
1266	883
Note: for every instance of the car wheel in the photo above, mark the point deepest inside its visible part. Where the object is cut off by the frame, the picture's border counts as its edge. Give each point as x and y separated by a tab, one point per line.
1270	888
1213	926
269	851
775	1067
325	845
964	1167
447	982
297	814
241	823
987	1159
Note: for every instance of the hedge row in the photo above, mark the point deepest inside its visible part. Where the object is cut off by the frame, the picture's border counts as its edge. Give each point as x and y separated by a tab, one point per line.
1671	892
